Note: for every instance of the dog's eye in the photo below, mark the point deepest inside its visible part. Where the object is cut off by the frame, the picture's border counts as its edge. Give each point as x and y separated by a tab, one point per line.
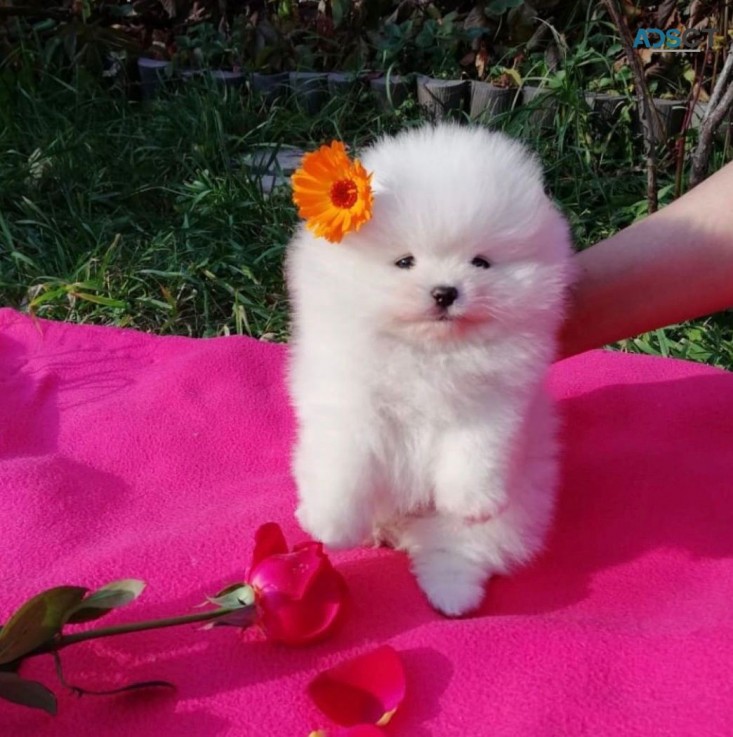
480	263
406	262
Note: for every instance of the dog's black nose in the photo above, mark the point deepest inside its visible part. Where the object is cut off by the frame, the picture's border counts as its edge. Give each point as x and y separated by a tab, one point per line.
444	296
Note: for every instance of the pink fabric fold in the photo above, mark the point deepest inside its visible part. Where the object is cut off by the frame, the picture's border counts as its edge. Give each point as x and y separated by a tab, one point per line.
128	455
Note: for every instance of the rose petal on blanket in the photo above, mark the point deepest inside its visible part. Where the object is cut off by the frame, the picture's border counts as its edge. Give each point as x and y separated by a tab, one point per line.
358	730
366	689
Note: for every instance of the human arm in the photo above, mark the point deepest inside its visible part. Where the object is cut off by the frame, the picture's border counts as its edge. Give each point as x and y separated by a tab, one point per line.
674	265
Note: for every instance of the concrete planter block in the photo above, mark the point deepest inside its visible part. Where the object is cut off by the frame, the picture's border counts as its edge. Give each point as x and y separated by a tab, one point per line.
671	116
391	91
441	98
223	77
272	166
605	107
489	101
343	83
310	90
544	106
270	86
153	76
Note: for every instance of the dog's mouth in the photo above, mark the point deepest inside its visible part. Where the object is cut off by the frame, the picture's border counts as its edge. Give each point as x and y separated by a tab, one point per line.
456	319
450	315
444	320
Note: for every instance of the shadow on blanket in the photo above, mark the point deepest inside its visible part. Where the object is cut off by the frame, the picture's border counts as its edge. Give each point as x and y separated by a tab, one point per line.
637	479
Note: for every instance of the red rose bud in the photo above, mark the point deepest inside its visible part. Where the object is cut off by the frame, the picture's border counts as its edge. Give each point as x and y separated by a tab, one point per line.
299	595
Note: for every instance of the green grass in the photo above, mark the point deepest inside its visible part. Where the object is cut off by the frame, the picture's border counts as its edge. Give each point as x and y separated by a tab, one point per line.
116	213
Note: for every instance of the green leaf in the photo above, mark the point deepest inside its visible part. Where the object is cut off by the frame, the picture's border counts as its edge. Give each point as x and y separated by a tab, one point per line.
99	300
104	600
230	588
27	693
38	621
10	667
513	74
47	296
340	10
499	7
234	597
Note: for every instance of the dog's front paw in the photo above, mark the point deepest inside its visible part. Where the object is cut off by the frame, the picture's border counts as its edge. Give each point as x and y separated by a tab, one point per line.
453	584
336	527
473	507
335	486
473	498
467	483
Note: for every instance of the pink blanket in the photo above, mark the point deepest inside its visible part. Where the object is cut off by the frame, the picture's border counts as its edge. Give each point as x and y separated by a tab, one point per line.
128	455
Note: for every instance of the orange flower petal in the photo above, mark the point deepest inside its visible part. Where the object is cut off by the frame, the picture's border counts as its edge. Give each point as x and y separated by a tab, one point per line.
332	211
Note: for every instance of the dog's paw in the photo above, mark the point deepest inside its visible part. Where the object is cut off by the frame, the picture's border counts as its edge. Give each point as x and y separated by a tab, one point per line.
492	511
453	584
390	534
468	487
337	528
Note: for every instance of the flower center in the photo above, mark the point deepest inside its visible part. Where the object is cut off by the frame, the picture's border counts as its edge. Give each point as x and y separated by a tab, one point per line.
344	193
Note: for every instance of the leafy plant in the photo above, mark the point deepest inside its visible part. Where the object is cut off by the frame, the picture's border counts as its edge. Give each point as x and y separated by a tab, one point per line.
205	47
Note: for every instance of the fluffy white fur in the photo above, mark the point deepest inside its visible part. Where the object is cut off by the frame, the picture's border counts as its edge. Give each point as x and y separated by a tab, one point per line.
426	427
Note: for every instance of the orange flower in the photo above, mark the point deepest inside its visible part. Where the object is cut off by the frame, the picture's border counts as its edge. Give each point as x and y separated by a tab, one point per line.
332	192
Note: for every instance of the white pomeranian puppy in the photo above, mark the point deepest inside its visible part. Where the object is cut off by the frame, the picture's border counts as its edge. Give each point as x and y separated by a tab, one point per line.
419	353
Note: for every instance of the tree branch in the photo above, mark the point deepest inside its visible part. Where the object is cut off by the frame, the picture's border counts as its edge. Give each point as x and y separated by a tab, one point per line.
650	123
719	105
